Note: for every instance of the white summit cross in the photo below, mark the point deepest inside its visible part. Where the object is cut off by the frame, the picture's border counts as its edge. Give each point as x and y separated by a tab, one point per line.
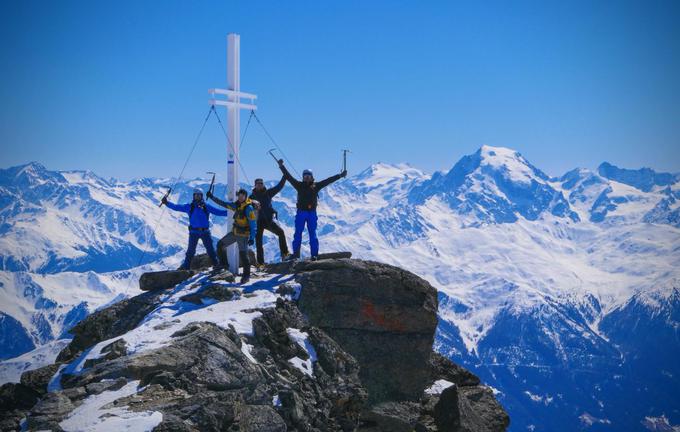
234	106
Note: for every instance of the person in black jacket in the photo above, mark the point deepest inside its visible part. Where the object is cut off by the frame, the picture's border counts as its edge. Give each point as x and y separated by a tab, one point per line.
265	217
308	194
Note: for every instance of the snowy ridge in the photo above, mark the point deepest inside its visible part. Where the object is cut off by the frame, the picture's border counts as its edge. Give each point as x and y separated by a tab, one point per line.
172	315
535	273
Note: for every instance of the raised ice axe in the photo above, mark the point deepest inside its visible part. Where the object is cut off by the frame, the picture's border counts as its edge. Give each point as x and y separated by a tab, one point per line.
344	159
212	182
271	153
167	194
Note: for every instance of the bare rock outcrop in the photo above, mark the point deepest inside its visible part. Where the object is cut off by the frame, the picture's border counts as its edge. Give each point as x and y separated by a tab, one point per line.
352	353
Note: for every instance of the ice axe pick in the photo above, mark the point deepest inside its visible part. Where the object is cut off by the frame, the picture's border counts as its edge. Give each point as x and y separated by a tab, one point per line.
212	182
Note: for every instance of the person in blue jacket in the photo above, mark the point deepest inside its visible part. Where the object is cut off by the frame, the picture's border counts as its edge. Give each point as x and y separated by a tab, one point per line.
199	225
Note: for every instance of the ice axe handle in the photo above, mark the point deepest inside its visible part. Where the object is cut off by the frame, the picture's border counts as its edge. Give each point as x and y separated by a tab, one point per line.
344	160
211	189
167	194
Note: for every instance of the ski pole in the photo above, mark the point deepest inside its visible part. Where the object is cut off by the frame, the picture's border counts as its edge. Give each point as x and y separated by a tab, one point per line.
271	153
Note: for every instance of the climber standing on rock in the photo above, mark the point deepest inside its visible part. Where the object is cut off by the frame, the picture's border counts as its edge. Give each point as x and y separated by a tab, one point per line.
199	225
308	194
265	217
242	232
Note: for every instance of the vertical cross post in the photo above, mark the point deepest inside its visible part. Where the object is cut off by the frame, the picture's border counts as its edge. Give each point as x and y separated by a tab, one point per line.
234	133
234	107
233	112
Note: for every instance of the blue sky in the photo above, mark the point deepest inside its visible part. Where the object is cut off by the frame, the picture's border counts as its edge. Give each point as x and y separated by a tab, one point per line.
121	87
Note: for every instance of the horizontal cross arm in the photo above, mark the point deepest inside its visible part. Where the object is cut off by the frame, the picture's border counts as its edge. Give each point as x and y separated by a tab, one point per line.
230	104
232	93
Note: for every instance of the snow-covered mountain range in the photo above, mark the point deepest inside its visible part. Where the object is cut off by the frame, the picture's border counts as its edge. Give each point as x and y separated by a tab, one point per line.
561	292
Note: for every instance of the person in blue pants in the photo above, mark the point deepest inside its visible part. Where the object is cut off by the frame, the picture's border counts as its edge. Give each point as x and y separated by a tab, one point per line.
307	200
199	225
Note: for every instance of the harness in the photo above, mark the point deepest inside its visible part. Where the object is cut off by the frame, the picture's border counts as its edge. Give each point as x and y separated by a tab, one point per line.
308	196
201	206
191	211
240	212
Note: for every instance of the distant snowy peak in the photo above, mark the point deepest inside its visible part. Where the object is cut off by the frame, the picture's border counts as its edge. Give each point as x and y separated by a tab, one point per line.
510	164
495	185
381	174
588	193
74	220
86	178
29	171
580	178
377	187
628	196
634	195
644	179
29	176
666	211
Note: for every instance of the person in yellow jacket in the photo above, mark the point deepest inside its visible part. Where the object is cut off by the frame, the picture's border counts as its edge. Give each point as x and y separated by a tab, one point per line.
242	232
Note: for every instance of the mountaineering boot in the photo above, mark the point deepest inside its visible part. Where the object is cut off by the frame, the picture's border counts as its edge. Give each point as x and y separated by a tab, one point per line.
293	256
315	258
217	269
245	276
285	257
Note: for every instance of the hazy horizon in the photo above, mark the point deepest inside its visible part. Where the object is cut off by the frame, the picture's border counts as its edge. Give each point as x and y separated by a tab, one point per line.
121	89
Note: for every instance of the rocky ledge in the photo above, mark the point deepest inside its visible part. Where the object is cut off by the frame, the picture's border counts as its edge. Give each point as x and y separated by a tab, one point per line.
336	344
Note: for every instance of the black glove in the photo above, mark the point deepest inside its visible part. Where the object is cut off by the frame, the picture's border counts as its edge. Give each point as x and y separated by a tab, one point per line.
209	194
280	162
251	242
164	200
343	173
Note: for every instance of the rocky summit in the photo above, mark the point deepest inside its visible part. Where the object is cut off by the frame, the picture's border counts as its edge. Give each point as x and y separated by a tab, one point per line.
331	345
